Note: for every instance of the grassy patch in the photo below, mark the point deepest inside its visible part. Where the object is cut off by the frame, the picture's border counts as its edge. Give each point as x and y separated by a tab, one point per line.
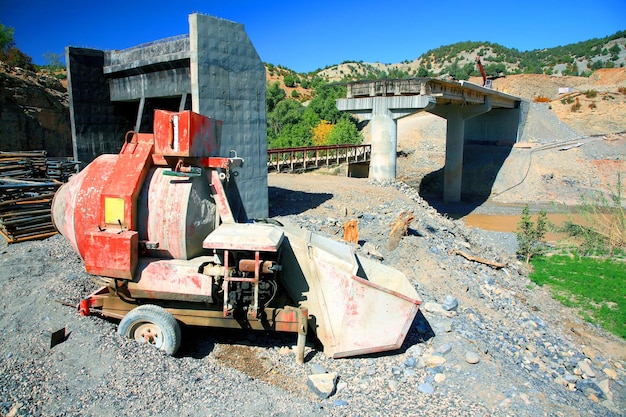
596	287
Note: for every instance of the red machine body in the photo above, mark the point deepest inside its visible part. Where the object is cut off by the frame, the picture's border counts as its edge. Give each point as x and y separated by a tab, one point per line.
122	204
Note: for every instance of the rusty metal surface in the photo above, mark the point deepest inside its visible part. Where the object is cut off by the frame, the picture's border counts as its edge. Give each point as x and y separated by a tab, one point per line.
172	279
76	205
310	157
186	134
287	319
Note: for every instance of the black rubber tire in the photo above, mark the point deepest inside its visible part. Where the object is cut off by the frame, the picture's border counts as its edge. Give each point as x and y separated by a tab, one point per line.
152	324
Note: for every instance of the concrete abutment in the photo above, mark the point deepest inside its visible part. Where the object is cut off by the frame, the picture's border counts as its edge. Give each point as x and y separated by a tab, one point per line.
214	70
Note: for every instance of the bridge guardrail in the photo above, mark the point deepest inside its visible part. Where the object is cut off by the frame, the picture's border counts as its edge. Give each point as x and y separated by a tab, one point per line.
311	157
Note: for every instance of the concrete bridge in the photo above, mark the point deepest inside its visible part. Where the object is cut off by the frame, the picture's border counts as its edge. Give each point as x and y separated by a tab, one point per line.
472	112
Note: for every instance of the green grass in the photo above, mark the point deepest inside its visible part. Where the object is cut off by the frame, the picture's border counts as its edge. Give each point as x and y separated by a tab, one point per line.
596	287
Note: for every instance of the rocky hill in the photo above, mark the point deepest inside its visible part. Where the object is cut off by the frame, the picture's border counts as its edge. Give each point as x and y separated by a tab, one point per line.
33	112
458	61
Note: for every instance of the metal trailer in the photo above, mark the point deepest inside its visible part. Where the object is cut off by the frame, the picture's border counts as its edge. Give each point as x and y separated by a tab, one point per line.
162	227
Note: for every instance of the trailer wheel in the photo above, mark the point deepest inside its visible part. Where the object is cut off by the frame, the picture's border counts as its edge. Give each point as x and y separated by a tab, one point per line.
152	324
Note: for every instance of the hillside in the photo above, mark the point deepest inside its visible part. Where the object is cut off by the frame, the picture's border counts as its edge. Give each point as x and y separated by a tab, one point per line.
33	112
457	61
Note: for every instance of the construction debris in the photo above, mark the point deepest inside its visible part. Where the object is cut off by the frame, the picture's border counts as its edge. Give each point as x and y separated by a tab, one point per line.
26	164
28	181
61	169
25	208
399	229
351	231
496	265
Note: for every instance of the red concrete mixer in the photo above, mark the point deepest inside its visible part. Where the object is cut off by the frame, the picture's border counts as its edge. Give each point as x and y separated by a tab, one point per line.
159	227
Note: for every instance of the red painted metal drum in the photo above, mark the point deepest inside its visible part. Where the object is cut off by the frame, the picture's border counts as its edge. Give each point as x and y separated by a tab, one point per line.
174	214
76	206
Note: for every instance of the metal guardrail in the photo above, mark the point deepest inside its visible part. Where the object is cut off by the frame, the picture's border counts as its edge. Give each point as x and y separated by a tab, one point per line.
389	87
311	157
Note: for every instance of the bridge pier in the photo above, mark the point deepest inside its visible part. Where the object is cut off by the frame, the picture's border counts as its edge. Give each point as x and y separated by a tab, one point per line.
455	139
385	101
384	113
384	145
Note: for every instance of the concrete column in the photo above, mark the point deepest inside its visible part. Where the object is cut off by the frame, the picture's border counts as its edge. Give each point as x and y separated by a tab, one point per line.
455	139
384	113
384	145
453	170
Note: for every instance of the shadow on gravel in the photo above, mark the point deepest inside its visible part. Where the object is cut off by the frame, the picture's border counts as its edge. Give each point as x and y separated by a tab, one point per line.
481	165
199	342
284	202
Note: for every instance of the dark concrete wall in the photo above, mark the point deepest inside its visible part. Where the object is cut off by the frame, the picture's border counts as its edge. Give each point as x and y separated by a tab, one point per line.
98	126
215	71
228	83
158	69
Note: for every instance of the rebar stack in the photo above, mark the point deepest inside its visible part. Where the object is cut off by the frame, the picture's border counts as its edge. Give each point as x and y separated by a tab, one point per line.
28	181
23	164
25	208
61	169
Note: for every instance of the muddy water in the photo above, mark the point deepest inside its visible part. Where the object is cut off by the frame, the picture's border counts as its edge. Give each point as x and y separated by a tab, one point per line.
508	222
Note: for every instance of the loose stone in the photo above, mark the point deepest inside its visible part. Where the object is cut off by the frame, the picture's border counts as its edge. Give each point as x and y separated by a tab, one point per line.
322	385
472	357
426	388
610	373
586	369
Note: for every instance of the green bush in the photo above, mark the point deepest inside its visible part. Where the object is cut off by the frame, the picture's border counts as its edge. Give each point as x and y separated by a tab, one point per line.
591	93
530	234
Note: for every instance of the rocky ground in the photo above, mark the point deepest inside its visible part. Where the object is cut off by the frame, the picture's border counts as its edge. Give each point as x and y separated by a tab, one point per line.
534	357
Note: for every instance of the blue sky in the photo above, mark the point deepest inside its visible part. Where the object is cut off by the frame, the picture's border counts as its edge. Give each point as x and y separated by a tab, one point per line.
307	35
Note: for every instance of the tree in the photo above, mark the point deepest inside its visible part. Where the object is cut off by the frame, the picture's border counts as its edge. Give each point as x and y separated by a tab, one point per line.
321	132
324	102
273	95
55	61
289	80
286	112
530	234
344	132
6	37
9	52
293	135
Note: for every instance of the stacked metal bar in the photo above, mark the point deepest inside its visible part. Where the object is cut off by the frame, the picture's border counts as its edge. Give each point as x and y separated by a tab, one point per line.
23	164
28	181
61	169
25	208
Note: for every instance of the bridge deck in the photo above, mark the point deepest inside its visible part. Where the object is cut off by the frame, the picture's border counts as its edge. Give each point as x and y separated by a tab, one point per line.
454	92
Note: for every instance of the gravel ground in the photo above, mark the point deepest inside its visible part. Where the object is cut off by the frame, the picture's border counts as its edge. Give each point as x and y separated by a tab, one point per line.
534	356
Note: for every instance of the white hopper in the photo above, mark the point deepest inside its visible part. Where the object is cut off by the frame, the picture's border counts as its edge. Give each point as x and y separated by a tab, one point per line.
356	305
